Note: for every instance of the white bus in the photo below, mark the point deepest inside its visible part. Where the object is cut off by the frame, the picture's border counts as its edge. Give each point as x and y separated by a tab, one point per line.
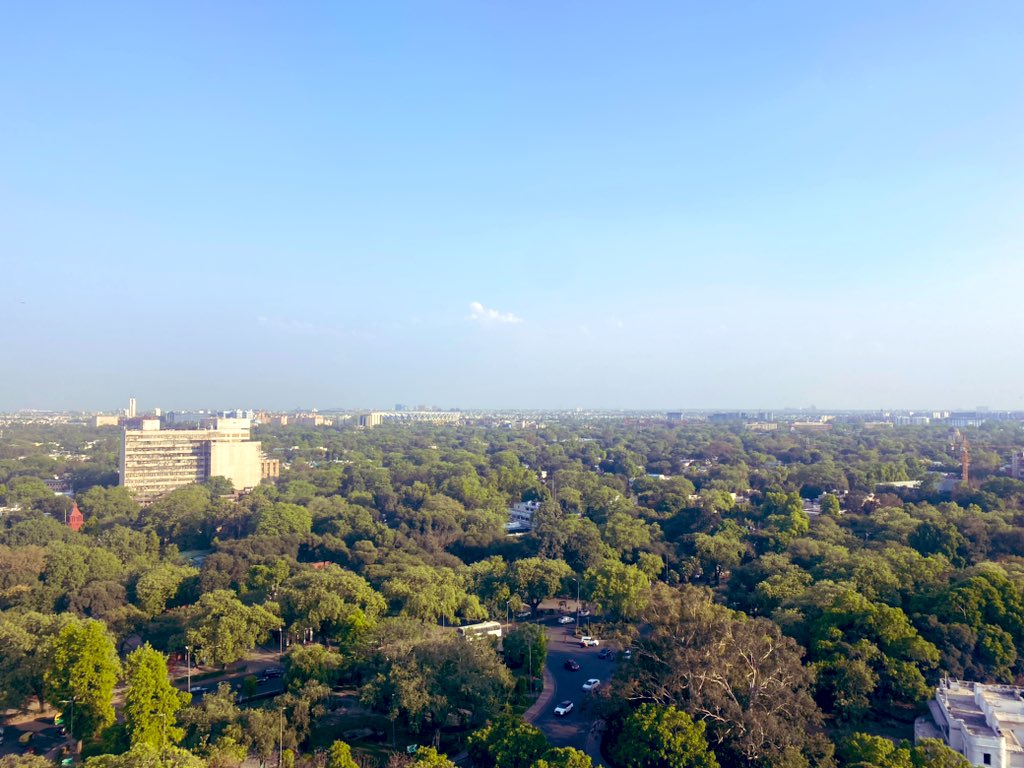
483	629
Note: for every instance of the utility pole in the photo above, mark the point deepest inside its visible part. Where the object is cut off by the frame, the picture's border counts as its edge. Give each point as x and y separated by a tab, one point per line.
188	666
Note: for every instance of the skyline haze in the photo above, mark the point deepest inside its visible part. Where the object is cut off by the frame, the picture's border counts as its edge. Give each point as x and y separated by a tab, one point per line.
520	206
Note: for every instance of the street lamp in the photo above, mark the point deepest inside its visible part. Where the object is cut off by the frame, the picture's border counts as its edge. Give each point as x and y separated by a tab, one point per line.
188	666
577	601
508	606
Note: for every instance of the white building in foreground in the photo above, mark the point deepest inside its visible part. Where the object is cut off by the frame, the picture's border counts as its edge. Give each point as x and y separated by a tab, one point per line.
984	723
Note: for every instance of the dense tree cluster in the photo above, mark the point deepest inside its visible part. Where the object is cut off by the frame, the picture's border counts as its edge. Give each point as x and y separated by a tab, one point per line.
777	593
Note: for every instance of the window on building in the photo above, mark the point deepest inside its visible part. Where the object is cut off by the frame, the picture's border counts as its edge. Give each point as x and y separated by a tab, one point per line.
986	759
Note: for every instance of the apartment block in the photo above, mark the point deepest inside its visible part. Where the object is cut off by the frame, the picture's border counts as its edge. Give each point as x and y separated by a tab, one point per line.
156	461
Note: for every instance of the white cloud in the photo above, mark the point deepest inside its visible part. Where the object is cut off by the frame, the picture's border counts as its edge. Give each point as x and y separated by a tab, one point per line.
481	314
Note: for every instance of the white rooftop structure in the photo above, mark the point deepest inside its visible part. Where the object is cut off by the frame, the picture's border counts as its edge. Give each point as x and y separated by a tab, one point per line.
984	723
520	517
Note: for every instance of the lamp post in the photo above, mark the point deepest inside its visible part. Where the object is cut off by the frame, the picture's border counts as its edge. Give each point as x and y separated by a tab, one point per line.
188	666
508	606
577	601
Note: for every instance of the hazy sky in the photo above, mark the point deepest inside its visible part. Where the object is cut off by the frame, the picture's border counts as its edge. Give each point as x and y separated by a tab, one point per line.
536	204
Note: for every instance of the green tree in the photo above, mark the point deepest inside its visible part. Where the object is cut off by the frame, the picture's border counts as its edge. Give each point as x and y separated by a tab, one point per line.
829	505
223	630
147	756
311	662
157	586
617	588
83	671
27	643
738	674
284	520
508	742
428	757
536	578
25	761
933	753
563	757
151	702
662	737
526	646
340	756
334	602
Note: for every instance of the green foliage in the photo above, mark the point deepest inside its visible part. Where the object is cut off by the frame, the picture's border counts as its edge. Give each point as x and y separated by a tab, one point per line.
617	588
527	643
151	703
563	757
333	602
862	750
83	671
340	756
662	737
158	586
222	629
426	681
311	662
535	578
508	742
147	756
428	757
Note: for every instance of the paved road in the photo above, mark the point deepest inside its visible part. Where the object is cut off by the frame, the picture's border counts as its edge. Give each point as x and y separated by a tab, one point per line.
573	729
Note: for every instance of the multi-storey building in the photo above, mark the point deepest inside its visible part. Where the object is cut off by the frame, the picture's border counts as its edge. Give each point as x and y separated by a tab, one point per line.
984	723
1017	465
155	461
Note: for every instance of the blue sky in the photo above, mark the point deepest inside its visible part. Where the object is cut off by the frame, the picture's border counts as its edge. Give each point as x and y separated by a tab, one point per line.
498	204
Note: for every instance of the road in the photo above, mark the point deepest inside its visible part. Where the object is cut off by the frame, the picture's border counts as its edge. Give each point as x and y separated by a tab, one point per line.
573	729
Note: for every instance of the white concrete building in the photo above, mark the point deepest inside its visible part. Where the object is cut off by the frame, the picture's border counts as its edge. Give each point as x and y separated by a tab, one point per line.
984	723
520	516
155	461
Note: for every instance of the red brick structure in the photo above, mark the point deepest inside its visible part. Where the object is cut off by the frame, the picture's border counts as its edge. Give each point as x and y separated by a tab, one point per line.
76	519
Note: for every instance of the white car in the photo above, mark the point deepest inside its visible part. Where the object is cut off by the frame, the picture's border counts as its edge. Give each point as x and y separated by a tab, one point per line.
566	619
563	709
587	641
591	684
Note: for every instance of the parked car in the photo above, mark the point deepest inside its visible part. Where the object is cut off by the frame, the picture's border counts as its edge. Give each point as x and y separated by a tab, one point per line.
572	665
627	654
566	619
606	653
199	690
271	673
524	614
591	684
587	641
563	709
585	612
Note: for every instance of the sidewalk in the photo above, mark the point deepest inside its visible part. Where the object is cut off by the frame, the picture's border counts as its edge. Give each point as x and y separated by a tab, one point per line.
543	700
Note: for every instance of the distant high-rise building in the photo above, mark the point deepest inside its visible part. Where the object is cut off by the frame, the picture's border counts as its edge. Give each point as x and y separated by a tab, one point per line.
1017	465
155	461
131	413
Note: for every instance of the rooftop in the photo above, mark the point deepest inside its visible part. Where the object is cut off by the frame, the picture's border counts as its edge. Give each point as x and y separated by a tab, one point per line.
995	711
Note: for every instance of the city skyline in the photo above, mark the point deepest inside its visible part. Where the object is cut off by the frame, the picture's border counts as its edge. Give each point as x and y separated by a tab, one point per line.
498	206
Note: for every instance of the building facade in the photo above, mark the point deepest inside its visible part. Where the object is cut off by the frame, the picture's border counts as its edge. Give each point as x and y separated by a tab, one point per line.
156	461
984	723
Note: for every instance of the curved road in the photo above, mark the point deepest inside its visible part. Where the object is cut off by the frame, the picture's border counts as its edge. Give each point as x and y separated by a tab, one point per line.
560	684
